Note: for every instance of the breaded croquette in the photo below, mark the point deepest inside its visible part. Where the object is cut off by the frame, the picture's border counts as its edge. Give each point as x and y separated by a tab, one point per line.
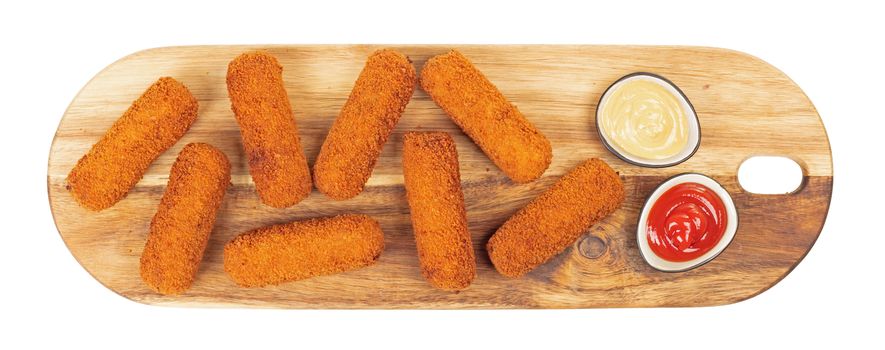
180	229
556	218
433	190
270	136
303	249
152	124
354	142
512	142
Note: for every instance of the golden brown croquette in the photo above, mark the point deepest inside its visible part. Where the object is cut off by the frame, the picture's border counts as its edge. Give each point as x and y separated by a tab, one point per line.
152	124
436	203
512	142
354	142
270	136
180	229
303	249
556	218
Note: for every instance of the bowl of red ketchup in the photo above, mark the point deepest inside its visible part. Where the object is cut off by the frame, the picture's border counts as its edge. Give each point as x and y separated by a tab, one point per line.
686	222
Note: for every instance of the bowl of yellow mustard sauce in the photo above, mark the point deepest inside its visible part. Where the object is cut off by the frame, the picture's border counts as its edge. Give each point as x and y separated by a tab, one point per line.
646	120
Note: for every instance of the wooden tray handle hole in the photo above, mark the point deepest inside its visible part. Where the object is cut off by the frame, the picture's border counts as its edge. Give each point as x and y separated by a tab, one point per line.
770	175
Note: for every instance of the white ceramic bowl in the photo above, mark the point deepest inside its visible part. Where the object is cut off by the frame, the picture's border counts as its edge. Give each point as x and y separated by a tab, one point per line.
672	266
694	127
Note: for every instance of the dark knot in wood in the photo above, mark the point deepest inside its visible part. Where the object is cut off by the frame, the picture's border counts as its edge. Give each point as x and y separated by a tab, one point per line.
592	247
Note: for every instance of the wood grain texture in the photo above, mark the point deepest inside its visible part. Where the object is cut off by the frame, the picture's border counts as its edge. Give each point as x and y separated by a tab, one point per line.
746	107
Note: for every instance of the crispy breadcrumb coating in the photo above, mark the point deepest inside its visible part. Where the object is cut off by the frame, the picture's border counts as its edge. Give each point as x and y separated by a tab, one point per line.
270	136
181	227
436	203
512	142
556	218
303	249
354	142
152	124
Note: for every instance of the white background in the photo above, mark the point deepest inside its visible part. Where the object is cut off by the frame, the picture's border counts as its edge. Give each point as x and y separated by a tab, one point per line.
834	297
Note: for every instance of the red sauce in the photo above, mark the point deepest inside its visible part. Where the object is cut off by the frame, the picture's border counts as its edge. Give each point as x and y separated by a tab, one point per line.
686	222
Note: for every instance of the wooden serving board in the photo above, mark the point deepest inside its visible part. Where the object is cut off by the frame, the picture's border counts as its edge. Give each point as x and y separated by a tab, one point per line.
746	107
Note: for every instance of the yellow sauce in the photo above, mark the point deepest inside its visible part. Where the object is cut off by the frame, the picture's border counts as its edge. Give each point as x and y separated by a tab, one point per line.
644	119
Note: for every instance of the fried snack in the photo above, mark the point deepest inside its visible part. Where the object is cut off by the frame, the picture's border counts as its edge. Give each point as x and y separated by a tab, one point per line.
433	190
512	142
556	218
303	249
354	142
152	124
181	227
270	136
